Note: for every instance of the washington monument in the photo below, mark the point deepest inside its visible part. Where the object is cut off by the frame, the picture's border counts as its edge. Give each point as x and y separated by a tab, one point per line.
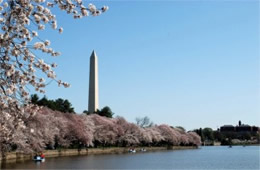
93	84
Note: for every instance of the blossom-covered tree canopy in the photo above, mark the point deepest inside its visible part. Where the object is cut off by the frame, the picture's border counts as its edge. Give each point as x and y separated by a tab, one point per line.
51	129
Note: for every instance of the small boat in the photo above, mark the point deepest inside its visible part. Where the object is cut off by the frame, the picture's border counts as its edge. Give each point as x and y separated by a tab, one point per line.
143	150
38	158
230	146
132	150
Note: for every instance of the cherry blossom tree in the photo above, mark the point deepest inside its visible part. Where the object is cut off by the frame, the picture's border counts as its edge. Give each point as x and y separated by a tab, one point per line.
194	138
78	132
12	127
40	132
145	137
130	133
155	134
184	139
105	131
183	136
89	129
170	136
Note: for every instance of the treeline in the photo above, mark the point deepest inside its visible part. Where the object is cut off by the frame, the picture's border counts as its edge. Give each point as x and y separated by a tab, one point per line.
64	105
209	136
50	129
58	104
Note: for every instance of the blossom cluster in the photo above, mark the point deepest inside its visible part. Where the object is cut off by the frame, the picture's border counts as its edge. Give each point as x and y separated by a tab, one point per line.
13	124
20	23
50	129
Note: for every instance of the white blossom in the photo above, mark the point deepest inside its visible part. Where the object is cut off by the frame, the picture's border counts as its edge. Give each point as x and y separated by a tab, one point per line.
39	45
41	27
92	8
34	34
60	30
47	42
104	8
54	25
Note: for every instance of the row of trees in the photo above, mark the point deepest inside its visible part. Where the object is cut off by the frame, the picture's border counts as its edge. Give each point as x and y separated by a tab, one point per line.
206	134
209	135
64	105
58	104
50	129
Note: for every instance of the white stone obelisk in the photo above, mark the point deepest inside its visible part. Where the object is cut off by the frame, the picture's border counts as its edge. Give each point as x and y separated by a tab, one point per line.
93	84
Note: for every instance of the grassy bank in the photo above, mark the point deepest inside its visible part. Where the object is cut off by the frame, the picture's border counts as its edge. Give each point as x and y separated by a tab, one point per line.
13	157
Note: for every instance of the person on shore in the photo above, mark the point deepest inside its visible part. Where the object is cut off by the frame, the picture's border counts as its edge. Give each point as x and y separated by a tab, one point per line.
35	156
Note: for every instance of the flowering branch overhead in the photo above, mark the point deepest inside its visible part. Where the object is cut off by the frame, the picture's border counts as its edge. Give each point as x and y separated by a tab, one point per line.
18	60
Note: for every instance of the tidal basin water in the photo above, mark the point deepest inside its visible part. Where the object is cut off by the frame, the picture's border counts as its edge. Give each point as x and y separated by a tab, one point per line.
211	157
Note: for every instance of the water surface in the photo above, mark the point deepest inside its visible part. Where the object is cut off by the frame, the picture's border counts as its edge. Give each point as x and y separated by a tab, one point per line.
211	157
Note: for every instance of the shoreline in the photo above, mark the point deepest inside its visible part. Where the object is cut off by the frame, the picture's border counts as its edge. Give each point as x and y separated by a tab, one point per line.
16	157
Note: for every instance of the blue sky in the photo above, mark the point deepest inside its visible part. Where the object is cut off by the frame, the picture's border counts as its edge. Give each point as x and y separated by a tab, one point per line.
188	63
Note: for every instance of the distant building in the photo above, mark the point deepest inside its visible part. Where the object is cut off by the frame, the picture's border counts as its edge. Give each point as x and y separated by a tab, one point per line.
227	128
240	128
243	128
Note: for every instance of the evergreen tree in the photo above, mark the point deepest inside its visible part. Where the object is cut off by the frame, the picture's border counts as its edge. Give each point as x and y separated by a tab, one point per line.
106	111
58	104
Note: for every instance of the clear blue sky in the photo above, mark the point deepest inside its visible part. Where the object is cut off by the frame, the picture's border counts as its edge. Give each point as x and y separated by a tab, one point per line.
188	63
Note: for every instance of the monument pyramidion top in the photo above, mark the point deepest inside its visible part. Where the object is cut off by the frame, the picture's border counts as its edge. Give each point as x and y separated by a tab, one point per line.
93	55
